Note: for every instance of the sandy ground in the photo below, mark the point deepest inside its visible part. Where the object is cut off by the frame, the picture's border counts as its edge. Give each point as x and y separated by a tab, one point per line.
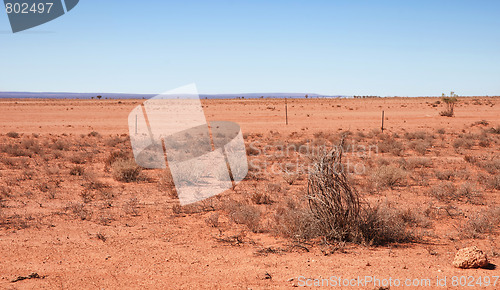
78	235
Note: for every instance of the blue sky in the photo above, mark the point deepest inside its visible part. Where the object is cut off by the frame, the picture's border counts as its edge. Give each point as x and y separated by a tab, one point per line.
386	48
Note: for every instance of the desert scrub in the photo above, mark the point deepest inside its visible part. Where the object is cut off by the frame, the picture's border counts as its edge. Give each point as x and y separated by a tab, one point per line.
390	145
244	214
340	215
126	170
485	221
13	134
389	176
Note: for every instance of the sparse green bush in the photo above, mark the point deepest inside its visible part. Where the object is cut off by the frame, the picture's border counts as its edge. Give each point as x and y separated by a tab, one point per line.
450	104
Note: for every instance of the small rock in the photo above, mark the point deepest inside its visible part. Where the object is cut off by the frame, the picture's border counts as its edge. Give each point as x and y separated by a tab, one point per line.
471	257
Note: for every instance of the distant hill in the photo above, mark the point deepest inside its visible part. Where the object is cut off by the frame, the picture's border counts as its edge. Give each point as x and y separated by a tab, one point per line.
20	95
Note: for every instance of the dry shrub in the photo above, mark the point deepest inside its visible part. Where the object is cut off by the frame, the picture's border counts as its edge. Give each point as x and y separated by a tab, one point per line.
13	134
93	183
333	202
295	223
290	176
417	162
444	191
115	156
339	214
493	182
126	170
417	135
60	145
469	192
31	145
213	220
380	225
447	191
491	166
80	158
94	134
77	170
79	210
244	214
87	195
464	143
390	145
114	141
389	176
420	146
131	207
485	221
445	175
261	198
16	150
252	151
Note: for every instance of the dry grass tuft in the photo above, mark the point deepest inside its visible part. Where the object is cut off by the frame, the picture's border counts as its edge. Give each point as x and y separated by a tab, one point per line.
389	176
126	170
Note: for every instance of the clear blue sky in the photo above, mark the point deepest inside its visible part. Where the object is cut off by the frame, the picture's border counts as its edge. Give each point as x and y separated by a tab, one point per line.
405	48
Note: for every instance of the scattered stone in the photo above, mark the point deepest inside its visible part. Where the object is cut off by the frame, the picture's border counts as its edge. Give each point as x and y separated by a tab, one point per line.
471	257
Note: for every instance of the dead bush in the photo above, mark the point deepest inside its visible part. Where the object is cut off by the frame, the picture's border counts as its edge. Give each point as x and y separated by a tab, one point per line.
417	162
389	176
390	145
290	176
126	170
131	207
77	170
261	198
13	134
493	182
463	143
60	145
213	220
16	150
295	223
380	225
79	210
469	192
115	156
420	146
244	214
444	191
445	174
416	135
337	209
485	221
491	166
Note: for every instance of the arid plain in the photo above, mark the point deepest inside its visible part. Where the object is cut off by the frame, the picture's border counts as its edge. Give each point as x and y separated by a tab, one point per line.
76	211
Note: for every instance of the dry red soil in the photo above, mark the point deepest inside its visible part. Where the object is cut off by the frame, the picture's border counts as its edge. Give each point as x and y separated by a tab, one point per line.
67	215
